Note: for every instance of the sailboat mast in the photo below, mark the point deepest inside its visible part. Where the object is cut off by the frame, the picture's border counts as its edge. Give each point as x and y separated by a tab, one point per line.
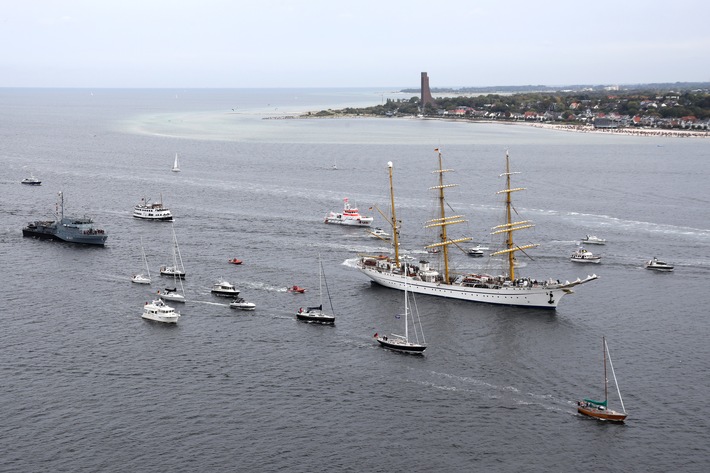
606	379
443	220
509	226
395	227
406	309
320	282
509	220
442	216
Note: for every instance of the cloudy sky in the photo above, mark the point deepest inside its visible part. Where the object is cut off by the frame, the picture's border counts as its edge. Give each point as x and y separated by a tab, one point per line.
363	43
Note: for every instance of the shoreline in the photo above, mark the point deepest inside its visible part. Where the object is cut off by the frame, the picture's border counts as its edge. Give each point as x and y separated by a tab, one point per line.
662	132
623	131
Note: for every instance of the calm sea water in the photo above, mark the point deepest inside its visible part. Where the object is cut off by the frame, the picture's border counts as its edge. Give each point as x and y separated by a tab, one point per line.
90	386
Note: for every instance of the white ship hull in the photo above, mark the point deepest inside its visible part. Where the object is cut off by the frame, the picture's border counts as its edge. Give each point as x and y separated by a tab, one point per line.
166	319
162	215
359	222
543	297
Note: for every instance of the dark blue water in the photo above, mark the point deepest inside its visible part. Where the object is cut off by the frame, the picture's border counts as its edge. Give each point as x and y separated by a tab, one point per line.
90	386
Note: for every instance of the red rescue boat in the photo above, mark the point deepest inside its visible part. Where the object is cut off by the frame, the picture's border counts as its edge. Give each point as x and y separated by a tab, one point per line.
235	261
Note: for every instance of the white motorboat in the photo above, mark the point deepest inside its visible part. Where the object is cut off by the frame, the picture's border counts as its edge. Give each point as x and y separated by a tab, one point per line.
582	255
658	265
241	304
224	288
593	240
476	251
349	216
507	289
380	233
146	210
158	311
31	181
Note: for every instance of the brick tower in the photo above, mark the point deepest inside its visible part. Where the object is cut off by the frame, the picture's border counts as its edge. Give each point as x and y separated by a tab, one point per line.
426	93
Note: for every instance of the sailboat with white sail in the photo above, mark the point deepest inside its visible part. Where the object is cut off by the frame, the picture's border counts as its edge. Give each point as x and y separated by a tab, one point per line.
504	289
316	314
600	409
142	278
403	343
176	269
176	165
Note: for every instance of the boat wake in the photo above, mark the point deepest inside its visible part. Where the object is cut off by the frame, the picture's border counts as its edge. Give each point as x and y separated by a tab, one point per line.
492	391
210	303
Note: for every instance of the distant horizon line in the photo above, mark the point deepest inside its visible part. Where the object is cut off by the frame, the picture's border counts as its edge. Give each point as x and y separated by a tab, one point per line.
389	88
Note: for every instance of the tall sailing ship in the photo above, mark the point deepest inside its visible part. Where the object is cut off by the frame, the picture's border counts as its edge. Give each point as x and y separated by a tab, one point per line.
505	289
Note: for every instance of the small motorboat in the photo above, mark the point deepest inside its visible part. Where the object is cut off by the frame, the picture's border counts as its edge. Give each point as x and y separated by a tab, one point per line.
297	289
593	240
31	181
140	279
241	304
658	265
235	261
476	251
224	288
380	233
583	255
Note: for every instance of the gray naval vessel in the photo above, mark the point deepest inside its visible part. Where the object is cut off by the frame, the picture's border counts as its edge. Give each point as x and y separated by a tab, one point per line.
70	229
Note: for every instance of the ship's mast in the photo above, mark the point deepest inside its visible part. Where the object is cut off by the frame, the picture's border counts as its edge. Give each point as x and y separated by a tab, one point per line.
443	221
509	227
60	215
606	379
395	227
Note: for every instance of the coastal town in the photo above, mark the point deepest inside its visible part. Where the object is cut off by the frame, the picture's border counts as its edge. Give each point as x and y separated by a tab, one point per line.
662	110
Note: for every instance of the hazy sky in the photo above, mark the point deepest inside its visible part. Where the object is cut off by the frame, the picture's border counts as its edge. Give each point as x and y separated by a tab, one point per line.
362	43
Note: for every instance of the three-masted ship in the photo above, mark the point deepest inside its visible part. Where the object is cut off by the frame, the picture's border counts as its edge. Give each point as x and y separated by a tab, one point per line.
505	289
